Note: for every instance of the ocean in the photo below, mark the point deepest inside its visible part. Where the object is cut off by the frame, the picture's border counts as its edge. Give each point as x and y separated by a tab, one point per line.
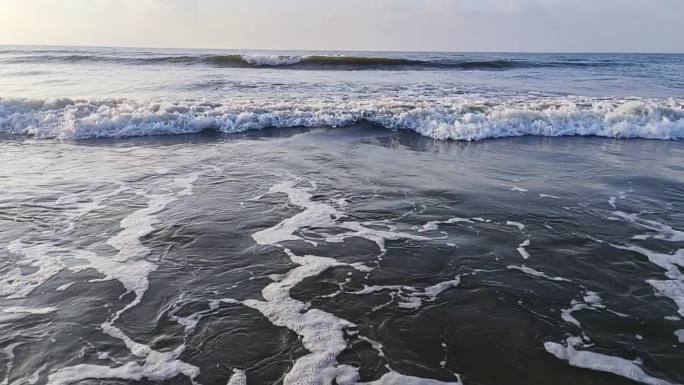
266	217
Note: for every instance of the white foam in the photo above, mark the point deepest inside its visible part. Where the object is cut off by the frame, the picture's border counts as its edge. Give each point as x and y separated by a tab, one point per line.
356	229
375	344
322	334
190	321
238	378
320	215
591	301
434	225
46	257
29	310
519	225
65	286
271	60
9	352
377	288
680	335
433	291
35	377
315	214
14	284
408	296
394	378
522	251
448	117
76	373
536	273
186	183
611	201
81	209
549	196
664	232
137	225
592	298
601	362
131	266
31	378
672	288
566	314
156	366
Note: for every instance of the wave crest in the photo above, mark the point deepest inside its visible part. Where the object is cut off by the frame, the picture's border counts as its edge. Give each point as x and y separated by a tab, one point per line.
314	62
457	119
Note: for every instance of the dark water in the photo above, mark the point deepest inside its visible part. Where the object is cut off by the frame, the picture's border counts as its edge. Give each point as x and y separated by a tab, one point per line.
349	255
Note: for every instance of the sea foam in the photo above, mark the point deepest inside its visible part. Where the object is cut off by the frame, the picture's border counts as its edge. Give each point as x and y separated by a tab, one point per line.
442	118
322	333
601	362
131	266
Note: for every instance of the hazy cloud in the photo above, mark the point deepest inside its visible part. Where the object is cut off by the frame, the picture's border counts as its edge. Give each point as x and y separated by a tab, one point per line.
470	25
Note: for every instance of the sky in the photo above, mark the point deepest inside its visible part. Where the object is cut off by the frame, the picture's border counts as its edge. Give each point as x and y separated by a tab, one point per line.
389	25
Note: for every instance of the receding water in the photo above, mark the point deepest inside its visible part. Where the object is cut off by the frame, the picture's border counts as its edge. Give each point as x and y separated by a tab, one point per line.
354	254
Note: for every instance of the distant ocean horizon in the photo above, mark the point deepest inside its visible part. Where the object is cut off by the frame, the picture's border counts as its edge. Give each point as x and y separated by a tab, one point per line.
300	49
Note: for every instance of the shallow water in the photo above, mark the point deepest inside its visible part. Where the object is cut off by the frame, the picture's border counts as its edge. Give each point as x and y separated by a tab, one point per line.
356	254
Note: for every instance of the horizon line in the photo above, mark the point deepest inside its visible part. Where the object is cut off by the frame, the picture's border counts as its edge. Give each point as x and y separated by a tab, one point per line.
337	50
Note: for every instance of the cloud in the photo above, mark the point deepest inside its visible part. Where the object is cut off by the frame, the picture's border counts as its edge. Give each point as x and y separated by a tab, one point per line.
473	25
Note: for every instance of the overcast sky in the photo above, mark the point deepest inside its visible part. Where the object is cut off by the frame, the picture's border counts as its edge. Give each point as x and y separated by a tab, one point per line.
417	25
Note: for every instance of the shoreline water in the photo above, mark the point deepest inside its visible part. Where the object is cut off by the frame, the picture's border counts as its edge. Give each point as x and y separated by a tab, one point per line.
200	224
440	209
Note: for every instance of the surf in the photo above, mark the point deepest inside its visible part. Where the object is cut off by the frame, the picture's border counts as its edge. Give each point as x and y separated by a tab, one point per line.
455	118
303	62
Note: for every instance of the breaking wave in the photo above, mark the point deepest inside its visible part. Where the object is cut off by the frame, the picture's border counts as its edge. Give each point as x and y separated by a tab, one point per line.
448	118
316	62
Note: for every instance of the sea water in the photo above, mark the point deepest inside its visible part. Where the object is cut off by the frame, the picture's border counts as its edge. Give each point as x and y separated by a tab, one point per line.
225	217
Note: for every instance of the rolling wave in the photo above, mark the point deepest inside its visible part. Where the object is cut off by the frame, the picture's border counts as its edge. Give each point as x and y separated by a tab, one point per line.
314	62
456	119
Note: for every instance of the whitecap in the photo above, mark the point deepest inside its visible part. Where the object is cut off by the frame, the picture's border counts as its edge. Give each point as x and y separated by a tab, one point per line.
455	118
271	60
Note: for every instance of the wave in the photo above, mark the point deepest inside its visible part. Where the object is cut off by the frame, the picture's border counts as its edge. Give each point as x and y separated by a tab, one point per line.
315	62
450	118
